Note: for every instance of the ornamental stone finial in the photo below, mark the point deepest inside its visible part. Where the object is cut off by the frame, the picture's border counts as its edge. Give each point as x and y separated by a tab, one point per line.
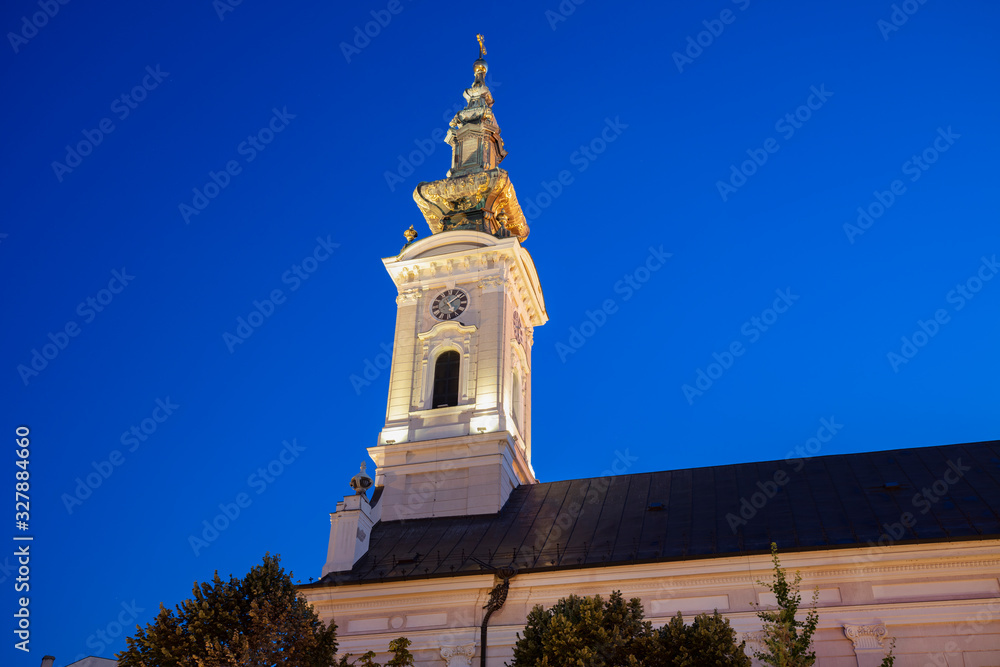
361	482
479	69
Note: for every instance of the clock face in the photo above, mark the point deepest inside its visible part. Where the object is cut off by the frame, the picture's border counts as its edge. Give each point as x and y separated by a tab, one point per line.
449	304
518	329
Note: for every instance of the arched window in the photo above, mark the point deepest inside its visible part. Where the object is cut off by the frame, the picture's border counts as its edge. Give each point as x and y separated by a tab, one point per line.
446	374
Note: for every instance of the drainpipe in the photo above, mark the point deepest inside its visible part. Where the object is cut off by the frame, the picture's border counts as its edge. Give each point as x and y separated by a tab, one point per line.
498	596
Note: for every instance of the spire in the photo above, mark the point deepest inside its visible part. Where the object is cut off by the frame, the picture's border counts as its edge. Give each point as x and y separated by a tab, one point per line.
477	193
474	134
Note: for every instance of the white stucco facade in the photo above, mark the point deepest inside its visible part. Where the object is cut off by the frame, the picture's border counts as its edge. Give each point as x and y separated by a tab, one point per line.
941	603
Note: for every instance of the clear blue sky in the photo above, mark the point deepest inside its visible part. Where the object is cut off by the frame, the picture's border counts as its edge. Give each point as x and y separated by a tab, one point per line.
872	107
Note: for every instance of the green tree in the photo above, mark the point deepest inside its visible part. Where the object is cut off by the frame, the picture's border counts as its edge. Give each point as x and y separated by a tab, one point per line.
257	621
399	648
592	632
787	641
889	658
708	641
585	632
401	656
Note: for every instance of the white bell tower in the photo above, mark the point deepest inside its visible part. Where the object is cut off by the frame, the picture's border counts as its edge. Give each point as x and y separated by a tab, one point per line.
457	434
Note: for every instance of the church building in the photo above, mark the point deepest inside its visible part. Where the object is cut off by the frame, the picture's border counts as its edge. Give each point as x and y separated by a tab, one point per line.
454	540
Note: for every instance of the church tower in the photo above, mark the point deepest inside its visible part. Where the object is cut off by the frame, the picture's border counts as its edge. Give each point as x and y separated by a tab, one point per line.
457	434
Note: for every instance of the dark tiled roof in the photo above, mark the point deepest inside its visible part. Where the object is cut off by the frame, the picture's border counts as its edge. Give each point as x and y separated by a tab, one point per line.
829	502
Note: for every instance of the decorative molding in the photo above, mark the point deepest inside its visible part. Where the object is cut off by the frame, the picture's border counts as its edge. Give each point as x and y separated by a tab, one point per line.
682	581
673	604
866	636
449	335
492	281
459	656
367	625
642	580
433	619
457	598
408	296
449	328
637	585
914	567
913	614
754	642
405	275
474	255
472	201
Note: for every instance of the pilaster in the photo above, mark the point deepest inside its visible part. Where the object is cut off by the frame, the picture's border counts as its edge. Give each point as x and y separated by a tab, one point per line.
458	656
868	642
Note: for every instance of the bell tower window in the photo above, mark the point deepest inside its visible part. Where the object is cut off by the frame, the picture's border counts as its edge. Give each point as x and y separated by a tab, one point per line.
446	375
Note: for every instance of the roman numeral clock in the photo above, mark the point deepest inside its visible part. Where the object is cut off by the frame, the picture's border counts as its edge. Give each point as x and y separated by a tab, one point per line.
449	304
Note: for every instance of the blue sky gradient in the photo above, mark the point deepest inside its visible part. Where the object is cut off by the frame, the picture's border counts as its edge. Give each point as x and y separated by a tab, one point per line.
738	137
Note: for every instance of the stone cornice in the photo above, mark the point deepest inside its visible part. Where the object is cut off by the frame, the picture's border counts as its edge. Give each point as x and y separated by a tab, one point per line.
468	256
645	578
406	601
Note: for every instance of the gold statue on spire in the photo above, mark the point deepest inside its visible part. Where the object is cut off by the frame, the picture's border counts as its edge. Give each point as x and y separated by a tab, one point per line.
482	46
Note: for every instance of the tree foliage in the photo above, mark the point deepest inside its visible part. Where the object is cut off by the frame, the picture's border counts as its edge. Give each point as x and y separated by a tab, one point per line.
787	641
399	648
257	621
592	632
889	658
708	641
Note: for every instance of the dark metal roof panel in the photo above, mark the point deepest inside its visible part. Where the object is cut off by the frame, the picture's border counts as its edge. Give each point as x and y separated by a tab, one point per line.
824	502
654	525
579	521
679	510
